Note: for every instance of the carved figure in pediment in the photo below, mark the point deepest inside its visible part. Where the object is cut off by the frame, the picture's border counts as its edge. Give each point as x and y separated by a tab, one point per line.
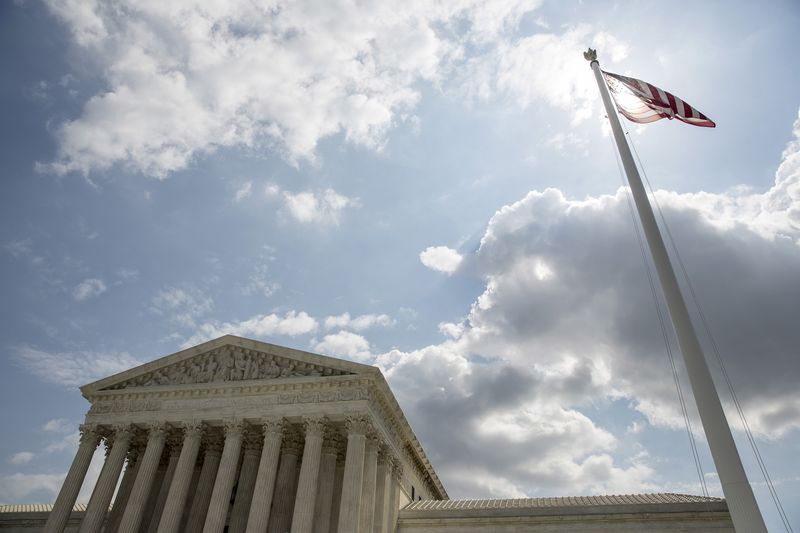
301	370
241	366
255	368
191	372
271	370
287	370
225	364
208	371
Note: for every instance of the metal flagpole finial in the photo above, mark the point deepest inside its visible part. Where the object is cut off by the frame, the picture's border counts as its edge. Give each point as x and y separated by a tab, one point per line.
590	55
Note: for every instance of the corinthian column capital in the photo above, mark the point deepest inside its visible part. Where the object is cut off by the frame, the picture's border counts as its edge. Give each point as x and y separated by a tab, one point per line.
357	425
234	427
193	428
90	434
315	426
273	426
156	430
122	432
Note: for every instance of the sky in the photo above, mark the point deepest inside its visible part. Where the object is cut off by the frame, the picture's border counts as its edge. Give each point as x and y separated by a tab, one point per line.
429	187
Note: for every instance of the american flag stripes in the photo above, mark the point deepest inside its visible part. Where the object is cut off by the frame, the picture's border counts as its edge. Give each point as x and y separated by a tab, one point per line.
643	102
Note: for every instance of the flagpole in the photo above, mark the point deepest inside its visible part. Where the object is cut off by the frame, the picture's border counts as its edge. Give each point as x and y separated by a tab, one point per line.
738	493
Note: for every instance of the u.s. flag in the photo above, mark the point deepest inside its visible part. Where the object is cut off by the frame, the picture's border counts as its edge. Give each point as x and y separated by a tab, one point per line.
643	102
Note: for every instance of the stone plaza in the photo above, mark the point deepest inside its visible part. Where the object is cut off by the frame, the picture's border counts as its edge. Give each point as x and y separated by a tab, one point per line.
242	436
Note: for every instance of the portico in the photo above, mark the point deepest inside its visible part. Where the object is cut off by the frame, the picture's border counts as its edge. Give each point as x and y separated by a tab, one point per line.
248	435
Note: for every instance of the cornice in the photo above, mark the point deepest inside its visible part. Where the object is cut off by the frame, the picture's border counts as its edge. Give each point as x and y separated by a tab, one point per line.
282	391
232	341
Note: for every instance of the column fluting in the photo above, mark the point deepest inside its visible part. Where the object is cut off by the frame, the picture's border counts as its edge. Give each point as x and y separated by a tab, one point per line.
350	506
226	476
104	488
57	520
125	487
134	510
368	485
261	503
381	491
179	488
205	485
336	504
305	499
327	474
394	495
152	498
173	451
285	484
247	481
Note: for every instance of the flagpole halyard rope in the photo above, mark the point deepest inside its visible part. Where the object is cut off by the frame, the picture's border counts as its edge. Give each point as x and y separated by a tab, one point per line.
715	347
744	510
664	332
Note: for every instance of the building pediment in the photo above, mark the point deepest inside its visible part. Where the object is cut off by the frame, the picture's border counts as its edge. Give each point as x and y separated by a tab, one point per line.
229	359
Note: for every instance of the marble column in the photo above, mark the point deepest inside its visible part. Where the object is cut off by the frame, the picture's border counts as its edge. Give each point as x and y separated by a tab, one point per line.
247	482
394	496
125	487
173	452
180	486
337	488
205	485
57	520
382	485
226	477
104	488
305	499
350	506
368	485
285	485
155	487
198	469
134	510
261	503
327	477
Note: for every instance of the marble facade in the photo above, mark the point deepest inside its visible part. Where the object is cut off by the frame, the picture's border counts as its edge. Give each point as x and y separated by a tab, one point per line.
241	436
246	437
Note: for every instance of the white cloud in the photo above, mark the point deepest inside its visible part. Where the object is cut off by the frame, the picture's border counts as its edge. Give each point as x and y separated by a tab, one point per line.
260	282
183	305
58	425
562	141
324	207
441	259
89	288
547	67
358	323
244	191
292	324
26	487
72	368
241	74
318	207
19	248
345	344
566	322
68	442
21	458
17	487
128	274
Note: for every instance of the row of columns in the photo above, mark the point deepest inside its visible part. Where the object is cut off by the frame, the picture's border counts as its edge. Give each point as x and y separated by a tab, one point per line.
327	495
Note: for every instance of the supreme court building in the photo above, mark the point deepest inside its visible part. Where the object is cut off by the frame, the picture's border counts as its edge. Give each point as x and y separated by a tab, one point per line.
241	436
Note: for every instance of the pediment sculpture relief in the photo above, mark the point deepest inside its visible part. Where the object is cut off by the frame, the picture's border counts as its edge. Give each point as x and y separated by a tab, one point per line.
229	363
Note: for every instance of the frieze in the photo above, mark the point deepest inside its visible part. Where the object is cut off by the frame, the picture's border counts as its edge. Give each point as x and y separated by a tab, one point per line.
123	406
225	364
285	398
